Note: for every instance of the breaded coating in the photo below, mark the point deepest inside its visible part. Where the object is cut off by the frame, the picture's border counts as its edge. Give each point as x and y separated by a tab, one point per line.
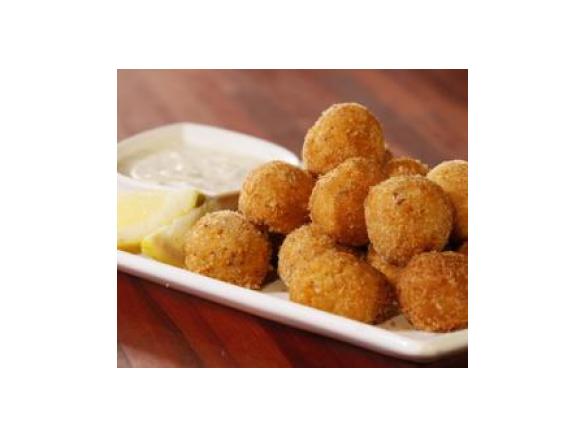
452	177
276	196
343	131
341	283
407	215
390	271
300	246
337	201
404	166
463	248
225	246
432	291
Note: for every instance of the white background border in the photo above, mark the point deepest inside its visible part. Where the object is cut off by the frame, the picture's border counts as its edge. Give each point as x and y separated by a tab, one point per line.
57	103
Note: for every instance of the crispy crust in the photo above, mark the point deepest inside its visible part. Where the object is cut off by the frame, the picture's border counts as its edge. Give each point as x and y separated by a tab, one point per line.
390	271
303	244
225	246
276	196
407	215
341	283
337	201
404	166
432	291
343	131
452	177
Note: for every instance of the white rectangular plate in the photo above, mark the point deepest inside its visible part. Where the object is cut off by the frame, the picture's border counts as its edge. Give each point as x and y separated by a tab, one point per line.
395	337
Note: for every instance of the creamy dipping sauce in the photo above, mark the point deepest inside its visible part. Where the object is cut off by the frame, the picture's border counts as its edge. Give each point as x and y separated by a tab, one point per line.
205	169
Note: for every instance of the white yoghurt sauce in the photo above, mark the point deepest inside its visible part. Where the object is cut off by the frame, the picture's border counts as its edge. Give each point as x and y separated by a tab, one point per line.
205	169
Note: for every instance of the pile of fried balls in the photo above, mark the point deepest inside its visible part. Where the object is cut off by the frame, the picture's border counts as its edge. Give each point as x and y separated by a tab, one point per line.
362	234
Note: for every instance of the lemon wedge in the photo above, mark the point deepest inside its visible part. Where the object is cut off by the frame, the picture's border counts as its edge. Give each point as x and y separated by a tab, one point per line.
141	213
166	244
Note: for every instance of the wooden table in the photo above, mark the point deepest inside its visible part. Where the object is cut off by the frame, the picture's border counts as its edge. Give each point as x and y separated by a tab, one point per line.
424	114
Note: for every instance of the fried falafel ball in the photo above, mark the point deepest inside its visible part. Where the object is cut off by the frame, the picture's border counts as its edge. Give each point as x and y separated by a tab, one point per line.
463	248
225	246
343	131
276	196
407	215
341	283
390	271
337	201
403	166
303	244
452	177
432	291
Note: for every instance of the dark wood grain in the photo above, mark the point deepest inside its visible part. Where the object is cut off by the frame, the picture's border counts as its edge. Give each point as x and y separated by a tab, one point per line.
424	114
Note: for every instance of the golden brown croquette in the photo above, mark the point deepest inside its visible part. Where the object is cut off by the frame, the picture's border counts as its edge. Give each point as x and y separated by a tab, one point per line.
390	271
407	215
300	246
404	166
276	196
343	131
452	177
225	246
341	283
432	291
337	201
